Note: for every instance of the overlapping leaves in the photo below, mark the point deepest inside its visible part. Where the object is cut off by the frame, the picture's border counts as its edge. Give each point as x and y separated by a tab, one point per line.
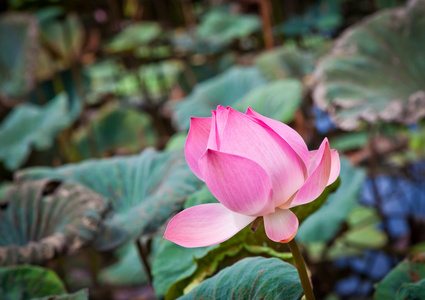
375	70
34	283
143	190
251	278
42	219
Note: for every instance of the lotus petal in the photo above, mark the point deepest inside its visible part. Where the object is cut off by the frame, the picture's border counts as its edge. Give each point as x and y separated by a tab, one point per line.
205	225
239	183
281	226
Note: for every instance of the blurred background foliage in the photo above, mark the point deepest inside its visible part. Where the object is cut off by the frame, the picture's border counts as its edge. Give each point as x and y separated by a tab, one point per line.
95	103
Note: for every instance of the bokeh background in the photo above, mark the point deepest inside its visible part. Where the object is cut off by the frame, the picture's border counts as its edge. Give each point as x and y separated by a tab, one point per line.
95	104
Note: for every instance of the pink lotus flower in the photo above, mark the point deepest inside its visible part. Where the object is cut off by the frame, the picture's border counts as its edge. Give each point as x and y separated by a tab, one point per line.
254	166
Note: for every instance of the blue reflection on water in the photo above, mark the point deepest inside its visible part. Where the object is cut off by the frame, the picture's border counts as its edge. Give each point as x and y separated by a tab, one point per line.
323	122
400	198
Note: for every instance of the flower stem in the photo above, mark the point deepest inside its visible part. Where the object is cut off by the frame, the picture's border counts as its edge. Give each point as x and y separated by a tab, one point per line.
143	255
302	270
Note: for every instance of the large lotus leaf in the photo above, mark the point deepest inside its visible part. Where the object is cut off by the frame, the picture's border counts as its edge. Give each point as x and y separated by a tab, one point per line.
133	36
278	100
144	190
401	281
289	61
251	278
28	282
224	89
41	219
323	225
112	129
220	27
29	126
19	42
375	70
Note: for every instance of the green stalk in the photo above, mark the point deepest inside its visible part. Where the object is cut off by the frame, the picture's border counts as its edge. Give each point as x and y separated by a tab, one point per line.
143	255
302	269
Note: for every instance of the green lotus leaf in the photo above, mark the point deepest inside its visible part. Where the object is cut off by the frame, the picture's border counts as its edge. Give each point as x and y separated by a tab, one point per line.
29	125
290	61
219	27
407	278
323	225
29	282
134	36
80	295
224	89
42	219
144	190
251	278
17	63
375	71
113	128
278	100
